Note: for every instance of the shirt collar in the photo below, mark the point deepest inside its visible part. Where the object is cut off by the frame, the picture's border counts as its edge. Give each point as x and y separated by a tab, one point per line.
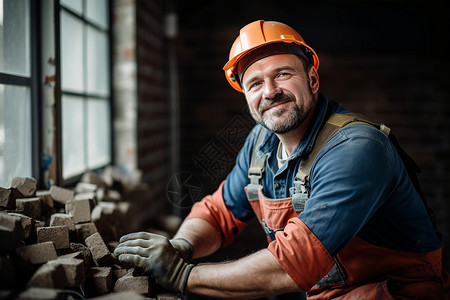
271	141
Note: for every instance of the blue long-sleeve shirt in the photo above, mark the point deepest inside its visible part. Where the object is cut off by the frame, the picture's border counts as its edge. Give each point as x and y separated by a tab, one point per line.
358	187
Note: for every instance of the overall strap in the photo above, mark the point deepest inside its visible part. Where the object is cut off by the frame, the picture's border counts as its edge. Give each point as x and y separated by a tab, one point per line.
256	169
334	123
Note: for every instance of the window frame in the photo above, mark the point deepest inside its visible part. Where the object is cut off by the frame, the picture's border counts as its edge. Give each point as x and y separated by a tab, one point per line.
85	95
32	82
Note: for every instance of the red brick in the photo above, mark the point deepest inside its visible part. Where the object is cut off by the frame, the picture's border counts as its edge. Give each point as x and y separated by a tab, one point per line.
38	293
139	284
28	224
100	253
75	273
167	296
85	230
99	281
29	206
61	195
128	295
7	199
59	219
58	234
47	203
11	232
84	252
38	253
80	210
26	186
48	276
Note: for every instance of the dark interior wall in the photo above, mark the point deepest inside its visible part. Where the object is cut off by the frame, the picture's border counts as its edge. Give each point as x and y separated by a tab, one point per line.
153	104
386	59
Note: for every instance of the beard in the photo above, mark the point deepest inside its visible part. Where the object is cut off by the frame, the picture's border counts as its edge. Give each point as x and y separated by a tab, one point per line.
293	118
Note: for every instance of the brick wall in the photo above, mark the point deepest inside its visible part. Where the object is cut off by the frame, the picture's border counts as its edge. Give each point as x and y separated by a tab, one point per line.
153	108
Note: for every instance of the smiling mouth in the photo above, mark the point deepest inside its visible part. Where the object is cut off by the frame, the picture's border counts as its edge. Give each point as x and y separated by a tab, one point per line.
274	105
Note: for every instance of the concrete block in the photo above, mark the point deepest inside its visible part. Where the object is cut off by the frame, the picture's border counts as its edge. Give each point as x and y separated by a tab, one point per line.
38	253
74	270
168	296
11	232
80	210
7	199
85	230
60	219
128	295
84	252
119	273
29	206
26	186
106	219
96	214
94	178
113	196
85	187
91	196
37	293
99	281
100	253
48	276
139	284
58	234
28	224
8	273
61	195
47	203
100	195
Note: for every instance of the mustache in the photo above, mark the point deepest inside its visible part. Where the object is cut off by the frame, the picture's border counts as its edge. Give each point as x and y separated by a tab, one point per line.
265	104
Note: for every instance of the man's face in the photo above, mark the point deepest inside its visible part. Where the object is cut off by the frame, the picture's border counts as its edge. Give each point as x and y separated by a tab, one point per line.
279	93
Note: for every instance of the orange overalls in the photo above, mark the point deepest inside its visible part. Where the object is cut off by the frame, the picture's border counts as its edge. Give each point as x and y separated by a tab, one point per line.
359	271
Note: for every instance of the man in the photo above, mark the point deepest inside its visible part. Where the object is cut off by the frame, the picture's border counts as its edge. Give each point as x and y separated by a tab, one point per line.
343	215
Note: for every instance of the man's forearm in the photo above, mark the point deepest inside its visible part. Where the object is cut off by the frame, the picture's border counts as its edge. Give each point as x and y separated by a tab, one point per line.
201	234
254	276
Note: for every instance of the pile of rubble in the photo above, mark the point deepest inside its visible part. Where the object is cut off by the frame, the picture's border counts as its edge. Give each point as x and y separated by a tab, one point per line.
58	243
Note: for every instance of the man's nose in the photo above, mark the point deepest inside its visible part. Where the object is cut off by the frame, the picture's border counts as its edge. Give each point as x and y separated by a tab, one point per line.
271	89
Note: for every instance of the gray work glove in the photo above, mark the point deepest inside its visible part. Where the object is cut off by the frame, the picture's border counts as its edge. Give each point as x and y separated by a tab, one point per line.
156	256
184	248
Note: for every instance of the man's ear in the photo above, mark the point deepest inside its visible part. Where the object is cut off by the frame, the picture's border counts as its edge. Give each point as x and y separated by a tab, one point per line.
313	80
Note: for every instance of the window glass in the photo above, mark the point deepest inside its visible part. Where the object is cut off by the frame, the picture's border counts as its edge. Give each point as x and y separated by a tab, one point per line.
74	5
15	133
98	133
85	86
97	12
72	62
15	37
97	62
73	135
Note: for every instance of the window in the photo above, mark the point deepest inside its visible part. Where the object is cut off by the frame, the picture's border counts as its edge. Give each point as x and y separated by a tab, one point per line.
18	113
85	85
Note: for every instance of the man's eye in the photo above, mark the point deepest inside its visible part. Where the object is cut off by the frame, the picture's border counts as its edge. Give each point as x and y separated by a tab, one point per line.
254	85
284	74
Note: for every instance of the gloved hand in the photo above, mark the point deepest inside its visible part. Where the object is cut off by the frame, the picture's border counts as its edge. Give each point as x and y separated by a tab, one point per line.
156	256
183	247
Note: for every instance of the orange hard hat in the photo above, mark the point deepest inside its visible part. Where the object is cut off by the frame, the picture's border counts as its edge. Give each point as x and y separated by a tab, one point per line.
258	34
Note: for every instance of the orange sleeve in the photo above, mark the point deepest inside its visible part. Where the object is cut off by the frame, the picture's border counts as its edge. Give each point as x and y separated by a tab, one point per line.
212	209
301	254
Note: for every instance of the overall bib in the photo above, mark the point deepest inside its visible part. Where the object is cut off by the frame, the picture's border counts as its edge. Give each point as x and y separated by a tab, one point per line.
361	270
